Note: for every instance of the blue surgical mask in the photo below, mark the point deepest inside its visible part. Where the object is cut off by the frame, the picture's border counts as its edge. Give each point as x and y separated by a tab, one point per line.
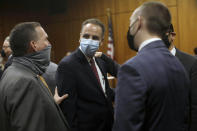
89	46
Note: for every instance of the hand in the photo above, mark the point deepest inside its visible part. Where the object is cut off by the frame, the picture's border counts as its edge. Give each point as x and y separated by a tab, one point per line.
57	98
98	54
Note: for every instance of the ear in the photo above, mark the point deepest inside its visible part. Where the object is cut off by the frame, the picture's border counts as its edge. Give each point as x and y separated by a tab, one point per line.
101	43
33	45
80	36
140	22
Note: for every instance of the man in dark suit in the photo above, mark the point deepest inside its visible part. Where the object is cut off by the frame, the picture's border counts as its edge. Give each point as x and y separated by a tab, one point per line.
84	78
190	64
49	76
151	92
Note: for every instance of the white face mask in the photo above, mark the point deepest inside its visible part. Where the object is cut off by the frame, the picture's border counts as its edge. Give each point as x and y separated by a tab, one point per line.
89	46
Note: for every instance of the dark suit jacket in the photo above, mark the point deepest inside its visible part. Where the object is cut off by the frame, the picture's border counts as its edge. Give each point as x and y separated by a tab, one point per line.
26	103
87	108
8	63
1	72
49	76
152	92
190	64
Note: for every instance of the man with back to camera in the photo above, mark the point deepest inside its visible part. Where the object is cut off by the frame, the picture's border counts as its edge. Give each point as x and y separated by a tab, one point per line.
152	88
26	101
84	78
190	64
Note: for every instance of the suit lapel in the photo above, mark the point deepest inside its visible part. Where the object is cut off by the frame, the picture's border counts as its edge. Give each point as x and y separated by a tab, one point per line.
46	91
178	54
99	65
101	68
87	68
62	115
103	73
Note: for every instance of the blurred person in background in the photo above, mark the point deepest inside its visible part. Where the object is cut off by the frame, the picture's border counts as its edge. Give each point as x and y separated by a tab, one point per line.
6	52
190	64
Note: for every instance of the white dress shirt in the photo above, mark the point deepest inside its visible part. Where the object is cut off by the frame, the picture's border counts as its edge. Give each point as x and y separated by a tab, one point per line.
173	51
101	77
146	42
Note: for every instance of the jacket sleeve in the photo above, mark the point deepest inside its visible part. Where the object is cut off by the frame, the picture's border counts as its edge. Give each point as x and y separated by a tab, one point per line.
111	65
193	96
130	100
66	84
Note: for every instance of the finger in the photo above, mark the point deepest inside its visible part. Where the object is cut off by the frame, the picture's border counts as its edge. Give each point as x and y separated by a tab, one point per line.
64	96
56	92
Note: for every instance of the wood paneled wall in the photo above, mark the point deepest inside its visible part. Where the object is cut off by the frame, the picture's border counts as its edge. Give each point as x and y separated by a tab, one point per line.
184	15
64	29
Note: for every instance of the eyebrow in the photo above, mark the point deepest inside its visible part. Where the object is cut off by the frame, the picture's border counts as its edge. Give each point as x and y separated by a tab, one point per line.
85	34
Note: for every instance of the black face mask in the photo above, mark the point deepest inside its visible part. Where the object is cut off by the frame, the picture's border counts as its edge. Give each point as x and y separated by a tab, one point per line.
166	40
3	53
130	39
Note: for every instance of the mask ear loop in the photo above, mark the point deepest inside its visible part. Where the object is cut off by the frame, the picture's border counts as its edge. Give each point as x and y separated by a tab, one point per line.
140	22
138	19
132	25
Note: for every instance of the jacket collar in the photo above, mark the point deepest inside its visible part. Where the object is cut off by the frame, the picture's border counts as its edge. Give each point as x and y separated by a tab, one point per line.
154	44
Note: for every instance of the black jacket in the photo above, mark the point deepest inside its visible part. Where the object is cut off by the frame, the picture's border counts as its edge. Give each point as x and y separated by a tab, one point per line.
190	64
87	107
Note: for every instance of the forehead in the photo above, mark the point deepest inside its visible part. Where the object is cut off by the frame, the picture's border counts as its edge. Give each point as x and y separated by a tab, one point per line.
6	43
92	29
40	31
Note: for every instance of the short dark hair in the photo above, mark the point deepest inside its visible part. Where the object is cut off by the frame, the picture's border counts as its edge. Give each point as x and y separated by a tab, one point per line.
95	22
20	37
171	28
158	17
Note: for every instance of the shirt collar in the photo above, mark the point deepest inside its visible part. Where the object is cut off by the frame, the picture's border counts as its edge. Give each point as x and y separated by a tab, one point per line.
9	56
146	42
87	58
173	51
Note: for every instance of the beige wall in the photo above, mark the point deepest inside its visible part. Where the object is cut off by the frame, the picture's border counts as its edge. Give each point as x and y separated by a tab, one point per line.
64	29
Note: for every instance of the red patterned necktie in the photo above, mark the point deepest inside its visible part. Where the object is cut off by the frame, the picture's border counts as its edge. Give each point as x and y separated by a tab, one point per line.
95	71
